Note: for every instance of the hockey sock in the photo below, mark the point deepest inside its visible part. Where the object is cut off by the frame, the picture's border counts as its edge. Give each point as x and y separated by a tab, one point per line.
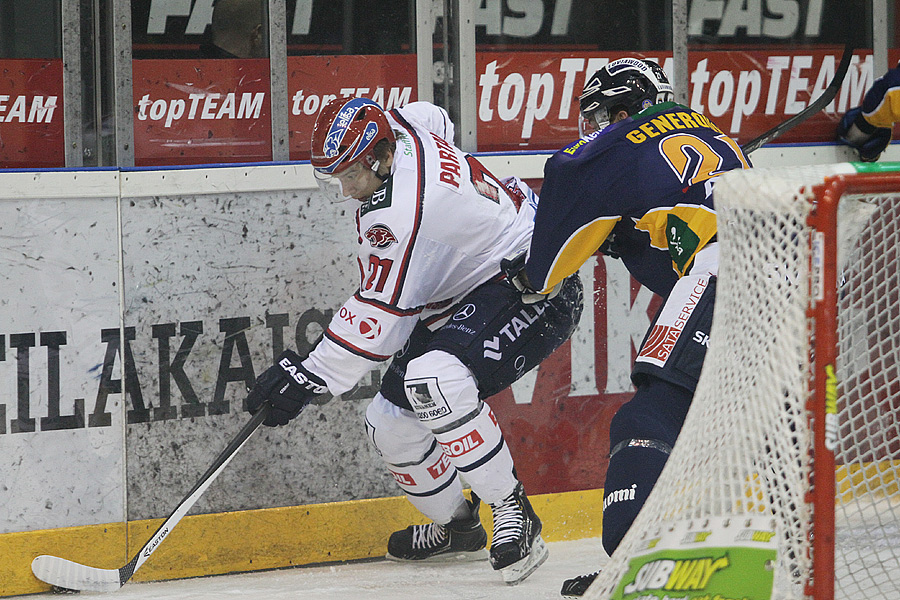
631	474
477	450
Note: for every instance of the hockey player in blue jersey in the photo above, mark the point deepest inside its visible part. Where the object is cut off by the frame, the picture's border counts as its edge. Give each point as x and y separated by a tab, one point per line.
867	128
638	186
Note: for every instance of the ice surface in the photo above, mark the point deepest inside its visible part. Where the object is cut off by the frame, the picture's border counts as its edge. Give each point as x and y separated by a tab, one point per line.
375	580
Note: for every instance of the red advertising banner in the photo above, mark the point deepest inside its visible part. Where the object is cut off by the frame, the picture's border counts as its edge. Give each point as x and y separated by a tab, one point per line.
202	111
529	100
31	114
388	79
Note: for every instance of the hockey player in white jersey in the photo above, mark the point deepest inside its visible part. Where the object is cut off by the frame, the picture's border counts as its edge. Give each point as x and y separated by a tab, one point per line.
433	227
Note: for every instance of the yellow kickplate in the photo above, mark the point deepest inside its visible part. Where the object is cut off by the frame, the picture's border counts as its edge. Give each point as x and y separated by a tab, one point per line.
253	540
100	546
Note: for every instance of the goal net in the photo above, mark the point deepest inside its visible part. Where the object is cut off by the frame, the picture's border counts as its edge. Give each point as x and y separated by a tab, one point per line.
794	433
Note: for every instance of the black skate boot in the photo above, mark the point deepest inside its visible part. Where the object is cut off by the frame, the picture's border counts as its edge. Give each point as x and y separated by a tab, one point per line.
460	539
577	586
517	548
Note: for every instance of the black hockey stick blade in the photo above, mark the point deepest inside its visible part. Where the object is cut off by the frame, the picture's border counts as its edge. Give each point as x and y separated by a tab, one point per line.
71	575
814	107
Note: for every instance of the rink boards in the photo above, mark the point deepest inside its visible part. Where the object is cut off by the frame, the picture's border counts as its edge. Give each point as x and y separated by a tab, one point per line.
202	276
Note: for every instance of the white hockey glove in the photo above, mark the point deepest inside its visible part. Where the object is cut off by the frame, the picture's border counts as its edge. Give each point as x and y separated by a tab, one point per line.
513	266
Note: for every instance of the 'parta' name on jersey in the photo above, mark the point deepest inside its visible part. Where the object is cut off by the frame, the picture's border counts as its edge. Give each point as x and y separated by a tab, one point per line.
669	122
450	167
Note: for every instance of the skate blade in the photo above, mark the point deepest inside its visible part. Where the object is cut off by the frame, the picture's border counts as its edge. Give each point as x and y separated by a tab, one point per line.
516	572
446	557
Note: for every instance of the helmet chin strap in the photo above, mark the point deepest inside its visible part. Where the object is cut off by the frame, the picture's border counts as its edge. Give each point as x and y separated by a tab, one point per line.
374	163
386	174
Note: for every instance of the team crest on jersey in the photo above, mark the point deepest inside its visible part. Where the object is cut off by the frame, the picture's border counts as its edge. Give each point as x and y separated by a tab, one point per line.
380	236
682	241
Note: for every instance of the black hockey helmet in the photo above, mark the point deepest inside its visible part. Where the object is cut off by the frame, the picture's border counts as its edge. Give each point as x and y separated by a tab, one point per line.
629	84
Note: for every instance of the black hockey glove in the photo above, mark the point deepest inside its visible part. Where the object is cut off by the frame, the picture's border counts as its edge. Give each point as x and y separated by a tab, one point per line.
288	386
513	266
868	141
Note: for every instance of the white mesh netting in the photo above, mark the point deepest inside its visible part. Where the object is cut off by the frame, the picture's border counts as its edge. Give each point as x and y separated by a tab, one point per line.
745	447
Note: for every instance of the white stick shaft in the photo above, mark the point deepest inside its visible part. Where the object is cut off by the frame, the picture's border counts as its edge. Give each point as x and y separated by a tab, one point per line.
75	576
182	509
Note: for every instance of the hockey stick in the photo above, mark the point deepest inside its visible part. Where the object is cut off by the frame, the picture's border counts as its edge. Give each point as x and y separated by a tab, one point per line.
820	103
70	575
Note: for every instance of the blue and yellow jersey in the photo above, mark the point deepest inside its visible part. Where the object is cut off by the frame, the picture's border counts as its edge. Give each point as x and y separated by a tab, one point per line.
881	104
641	188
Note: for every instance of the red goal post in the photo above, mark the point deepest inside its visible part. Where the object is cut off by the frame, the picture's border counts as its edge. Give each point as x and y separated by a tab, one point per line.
874	183
795	426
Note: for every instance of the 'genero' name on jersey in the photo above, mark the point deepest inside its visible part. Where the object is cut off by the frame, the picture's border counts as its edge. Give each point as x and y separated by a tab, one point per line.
669	122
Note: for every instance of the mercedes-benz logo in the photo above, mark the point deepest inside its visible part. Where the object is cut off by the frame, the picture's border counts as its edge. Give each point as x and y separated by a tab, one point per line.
464	313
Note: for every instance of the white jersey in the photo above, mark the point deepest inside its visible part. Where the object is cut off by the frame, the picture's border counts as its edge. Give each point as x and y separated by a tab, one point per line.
437	229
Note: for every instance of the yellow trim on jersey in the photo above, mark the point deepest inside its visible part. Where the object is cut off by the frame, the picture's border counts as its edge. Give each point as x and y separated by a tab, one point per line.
700	219
888	112
577	249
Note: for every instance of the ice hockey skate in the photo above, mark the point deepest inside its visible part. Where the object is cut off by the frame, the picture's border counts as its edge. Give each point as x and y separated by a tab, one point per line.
577	586
517	548
459	540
